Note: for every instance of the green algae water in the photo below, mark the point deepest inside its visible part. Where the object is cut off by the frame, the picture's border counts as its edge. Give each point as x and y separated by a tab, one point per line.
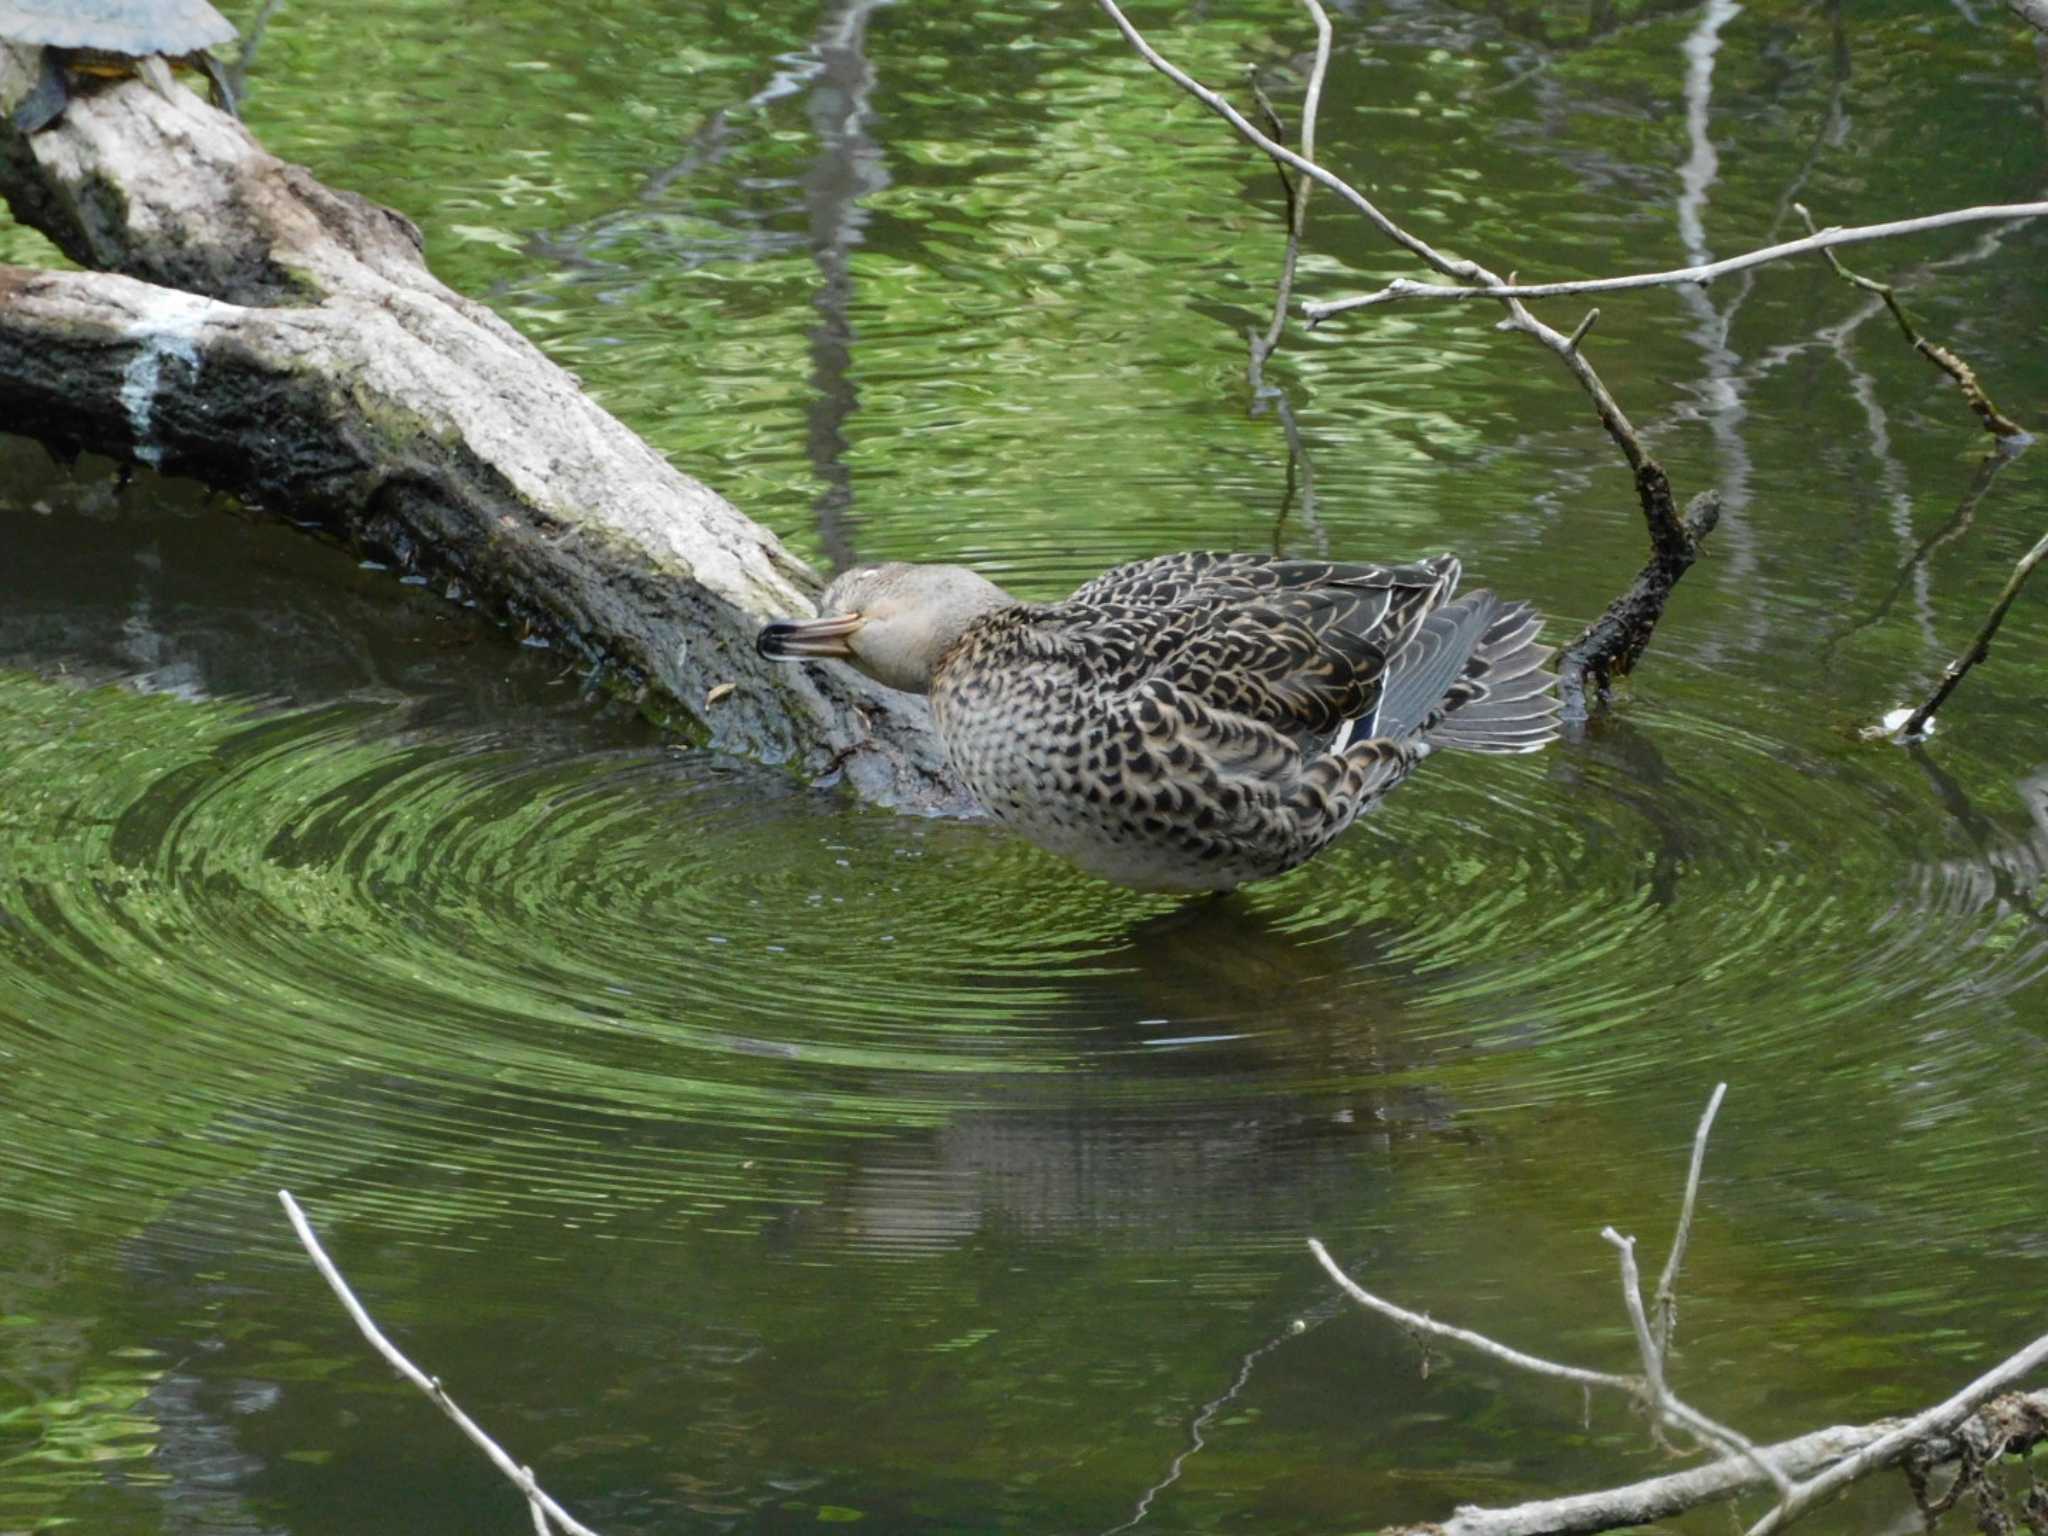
751	1161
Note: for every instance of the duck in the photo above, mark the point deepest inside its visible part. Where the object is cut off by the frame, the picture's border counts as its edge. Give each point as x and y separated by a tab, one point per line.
1198	721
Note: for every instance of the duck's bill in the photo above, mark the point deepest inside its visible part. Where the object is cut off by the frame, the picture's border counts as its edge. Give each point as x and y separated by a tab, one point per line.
798	639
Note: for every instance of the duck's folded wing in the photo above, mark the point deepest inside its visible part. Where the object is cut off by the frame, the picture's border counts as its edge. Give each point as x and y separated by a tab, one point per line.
1214	774
1209	576
1299	646
1279	666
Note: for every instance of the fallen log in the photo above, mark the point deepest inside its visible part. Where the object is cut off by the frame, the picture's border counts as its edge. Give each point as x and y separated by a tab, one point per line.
284	341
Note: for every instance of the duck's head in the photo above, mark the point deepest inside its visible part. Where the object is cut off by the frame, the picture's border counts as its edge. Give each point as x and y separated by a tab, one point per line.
894	622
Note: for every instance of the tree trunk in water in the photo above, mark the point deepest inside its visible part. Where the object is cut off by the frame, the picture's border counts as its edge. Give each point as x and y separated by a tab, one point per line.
245	325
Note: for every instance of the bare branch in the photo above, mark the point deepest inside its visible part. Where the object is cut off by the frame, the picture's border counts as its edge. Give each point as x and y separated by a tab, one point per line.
1298	191
1519	318
1632	1300
1706	272
1280	152
1667	1283
1995	421
1941	1419
1664	1404
1915	725
1825	1460
1612	644
1479	1341
1657	1498
537	1498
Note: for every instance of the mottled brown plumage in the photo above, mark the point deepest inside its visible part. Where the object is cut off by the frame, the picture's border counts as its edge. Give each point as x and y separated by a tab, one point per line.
1196	721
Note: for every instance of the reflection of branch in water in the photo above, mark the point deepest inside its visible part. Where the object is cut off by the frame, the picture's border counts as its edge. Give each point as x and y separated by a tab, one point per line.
1322	1314
1720	393
1300	472
2011	875
849	167
1914	569
1643	783
714	139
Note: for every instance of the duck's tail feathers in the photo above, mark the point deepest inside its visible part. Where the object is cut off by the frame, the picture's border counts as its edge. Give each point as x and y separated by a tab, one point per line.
1473	677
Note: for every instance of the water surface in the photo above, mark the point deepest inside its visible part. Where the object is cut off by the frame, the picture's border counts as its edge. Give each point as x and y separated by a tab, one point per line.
749	1160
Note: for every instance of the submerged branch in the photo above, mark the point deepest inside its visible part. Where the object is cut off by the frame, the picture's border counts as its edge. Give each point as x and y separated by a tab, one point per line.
1660	1498
1611	645
1801	1471
1943	1419
1915	725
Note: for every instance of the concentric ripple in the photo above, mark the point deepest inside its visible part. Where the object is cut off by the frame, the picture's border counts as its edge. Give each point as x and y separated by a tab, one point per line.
330	918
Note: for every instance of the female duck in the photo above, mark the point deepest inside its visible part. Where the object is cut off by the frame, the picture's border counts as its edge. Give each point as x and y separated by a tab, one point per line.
1196	721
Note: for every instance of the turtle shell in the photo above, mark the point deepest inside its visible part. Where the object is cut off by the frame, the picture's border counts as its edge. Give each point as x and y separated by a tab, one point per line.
133	27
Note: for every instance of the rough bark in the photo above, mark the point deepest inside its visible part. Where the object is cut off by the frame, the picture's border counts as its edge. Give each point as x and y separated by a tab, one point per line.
284	341
1613	643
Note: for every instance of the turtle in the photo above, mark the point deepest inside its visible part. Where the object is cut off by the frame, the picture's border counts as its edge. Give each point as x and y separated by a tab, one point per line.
84	38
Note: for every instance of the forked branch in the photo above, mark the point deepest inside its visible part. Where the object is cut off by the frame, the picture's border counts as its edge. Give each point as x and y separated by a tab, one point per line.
1612	645
1802	1472
1995	421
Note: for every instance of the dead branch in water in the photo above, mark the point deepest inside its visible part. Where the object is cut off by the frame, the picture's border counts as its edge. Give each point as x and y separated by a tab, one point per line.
1914	725
1612	645
1971	1430
543	1508
285	341
1995	421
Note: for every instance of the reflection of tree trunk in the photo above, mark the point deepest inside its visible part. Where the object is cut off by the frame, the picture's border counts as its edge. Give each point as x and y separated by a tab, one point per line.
1722	405
286	342
848	167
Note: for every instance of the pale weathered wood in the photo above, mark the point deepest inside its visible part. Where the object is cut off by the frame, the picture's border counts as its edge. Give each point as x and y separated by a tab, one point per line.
285	341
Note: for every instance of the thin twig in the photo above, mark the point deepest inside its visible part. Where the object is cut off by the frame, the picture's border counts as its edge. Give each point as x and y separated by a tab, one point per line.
1298	191
1663	1403
1611	645
1479	1341
537	1498
1706	272
1995	421
1413	244
1632	1301
1915	725
1667	1283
